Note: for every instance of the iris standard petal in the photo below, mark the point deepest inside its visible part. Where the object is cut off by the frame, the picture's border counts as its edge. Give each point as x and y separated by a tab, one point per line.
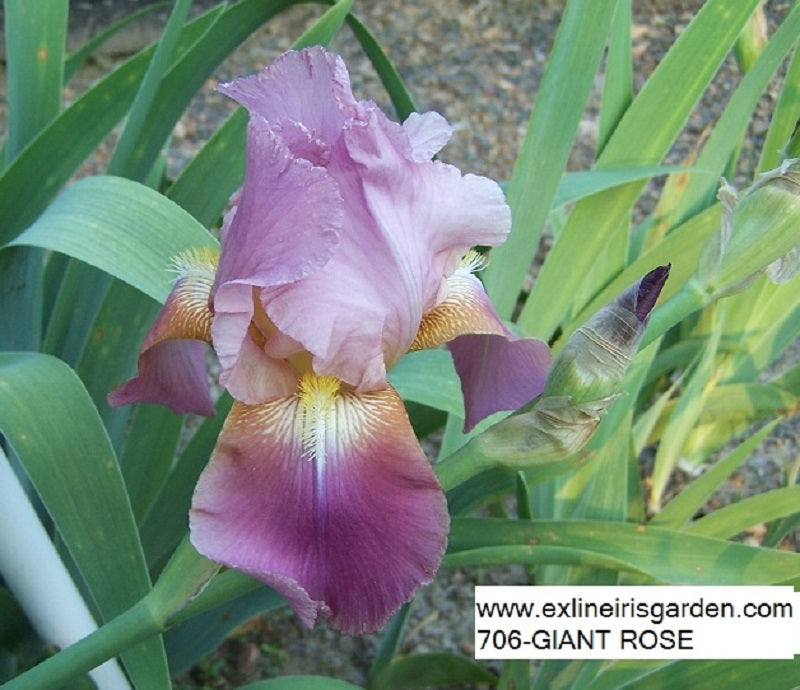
287	219
305	95
427	133
327	497
405	221
498	371
424	208
286	225
171	368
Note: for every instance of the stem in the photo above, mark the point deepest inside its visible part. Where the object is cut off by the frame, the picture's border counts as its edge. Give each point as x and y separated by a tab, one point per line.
183	578
135	625
223	588
460	466
35	573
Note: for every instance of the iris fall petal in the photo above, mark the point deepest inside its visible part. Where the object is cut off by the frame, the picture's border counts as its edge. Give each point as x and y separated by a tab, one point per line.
172	368
327	497
498	371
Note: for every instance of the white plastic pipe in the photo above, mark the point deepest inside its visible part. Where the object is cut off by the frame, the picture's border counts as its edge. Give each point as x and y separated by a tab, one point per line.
38	579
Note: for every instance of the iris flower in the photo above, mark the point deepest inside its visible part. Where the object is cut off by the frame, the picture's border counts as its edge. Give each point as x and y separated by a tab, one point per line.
347	247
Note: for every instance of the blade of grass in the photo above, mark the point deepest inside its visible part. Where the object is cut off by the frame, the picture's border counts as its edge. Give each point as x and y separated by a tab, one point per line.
165	523
76	59
732	125
498	482
730	520
647	420
690	499
575	185
664	555
111	350
574	59
71	137
784	118
770	323
322	31
20	298
54	270
390	643
35	36
684	416
200	635
385	69
618	78
302	683
428	377
118	226
699	675
617	96
74	311
435	669
147	457
143	102
737	402
681	248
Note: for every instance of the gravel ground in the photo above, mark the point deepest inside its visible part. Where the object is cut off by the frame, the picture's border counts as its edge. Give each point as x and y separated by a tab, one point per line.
479	63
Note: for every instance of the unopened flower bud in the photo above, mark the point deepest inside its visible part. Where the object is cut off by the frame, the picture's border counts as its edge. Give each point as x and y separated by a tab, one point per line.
760	229
585	379
595	358
553	430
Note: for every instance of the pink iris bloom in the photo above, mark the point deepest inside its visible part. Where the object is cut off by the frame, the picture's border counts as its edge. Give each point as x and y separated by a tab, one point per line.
347	247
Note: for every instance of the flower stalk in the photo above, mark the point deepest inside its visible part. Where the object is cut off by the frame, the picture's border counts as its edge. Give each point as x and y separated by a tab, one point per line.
33	570
184	577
